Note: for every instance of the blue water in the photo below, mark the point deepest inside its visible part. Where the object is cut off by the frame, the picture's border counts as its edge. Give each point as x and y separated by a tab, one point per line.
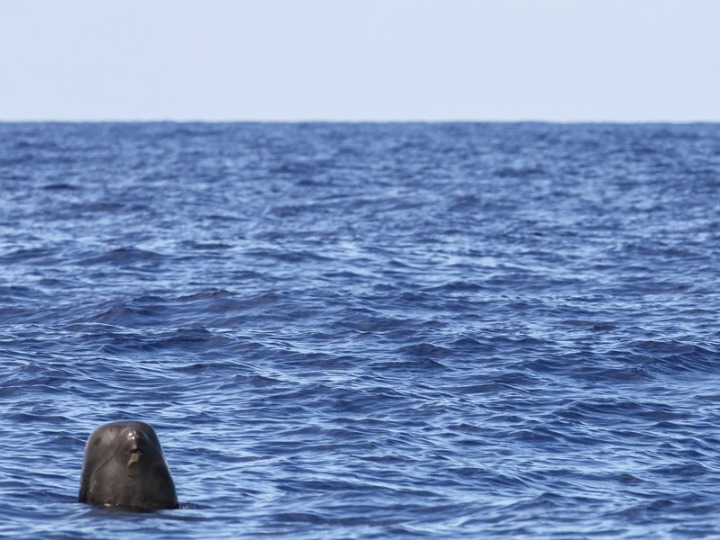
366	330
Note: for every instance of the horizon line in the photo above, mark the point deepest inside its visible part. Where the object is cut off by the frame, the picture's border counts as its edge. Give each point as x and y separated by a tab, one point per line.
342	121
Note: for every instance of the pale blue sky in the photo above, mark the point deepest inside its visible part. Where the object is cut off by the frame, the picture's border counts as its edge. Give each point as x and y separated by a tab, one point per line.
558	60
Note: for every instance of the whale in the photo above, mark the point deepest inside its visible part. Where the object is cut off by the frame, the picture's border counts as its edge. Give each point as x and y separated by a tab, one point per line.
124	466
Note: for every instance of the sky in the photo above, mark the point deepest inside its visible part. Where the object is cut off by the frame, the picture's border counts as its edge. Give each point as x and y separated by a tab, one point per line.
360	60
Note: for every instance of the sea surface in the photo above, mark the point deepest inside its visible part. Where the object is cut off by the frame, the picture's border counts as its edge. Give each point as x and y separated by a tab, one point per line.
422	330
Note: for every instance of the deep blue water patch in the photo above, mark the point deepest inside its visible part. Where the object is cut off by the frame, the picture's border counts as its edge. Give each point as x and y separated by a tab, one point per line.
366	330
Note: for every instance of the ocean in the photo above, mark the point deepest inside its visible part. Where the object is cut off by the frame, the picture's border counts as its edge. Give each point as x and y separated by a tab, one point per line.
365	330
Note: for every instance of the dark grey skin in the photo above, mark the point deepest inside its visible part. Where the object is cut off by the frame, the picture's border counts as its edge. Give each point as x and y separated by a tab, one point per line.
125	467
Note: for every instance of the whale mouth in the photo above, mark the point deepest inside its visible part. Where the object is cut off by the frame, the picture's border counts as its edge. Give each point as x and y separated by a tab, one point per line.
135	454
135	441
